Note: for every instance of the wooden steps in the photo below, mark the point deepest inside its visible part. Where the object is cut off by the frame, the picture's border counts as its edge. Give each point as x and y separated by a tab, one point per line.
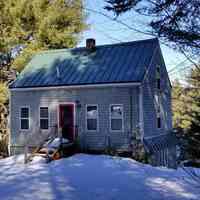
40	154
52	152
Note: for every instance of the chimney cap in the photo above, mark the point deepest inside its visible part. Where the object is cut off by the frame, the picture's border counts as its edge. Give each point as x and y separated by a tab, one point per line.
90	43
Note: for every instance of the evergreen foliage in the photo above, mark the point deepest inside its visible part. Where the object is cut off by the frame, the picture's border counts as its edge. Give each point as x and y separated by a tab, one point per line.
176	21
34	26
186	110
3	93
38	25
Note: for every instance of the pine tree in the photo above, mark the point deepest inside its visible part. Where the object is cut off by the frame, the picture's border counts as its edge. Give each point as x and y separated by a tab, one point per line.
175	21
34	26
38	25
186	109
3	93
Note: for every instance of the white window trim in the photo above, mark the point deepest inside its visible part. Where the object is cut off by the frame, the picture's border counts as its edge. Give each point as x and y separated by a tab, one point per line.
86	127
20	118
44	118
110	127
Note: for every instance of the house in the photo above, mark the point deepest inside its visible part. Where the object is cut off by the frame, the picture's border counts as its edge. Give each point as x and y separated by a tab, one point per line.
106	96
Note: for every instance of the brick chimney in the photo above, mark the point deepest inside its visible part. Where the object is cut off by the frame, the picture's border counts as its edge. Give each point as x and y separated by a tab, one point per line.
90	44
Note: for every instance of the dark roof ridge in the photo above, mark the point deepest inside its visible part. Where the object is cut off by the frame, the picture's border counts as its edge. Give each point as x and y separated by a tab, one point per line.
98	46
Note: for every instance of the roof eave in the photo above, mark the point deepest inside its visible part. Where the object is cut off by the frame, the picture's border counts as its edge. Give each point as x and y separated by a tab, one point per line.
83	86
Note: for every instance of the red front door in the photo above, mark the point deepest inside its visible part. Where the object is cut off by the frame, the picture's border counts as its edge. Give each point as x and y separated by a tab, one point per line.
66	120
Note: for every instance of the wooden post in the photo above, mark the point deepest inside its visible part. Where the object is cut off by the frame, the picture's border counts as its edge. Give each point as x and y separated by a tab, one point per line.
25	154
26	150
61	141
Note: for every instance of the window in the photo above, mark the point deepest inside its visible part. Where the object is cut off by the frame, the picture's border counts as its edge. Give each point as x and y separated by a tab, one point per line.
92	117
158	122
44	118
116	117
158	82
24	118
158	116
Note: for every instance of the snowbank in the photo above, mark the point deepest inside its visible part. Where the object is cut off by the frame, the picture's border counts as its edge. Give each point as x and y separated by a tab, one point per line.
89	177
38	159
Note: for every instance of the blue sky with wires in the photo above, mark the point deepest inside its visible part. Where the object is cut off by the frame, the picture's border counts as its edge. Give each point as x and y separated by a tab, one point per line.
106	30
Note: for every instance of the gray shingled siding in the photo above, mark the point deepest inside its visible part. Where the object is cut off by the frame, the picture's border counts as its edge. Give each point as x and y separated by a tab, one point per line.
149	100
149	107
90	140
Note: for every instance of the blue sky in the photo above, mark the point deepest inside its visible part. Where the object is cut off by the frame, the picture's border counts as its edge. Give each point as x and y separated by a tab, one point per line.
107	31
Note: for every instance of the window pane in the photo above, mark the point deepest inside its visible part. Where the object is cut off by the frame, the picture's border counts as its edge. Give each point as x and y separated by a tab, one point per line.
24	124
158	110
92	124
116	111
158	72
24	113
116	124
43	112
158	84
44	123
159	122
92	112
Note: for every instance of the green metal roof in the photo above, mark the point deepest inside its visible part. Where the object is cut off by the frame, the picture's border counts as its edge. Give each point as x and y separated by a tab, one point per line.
117	63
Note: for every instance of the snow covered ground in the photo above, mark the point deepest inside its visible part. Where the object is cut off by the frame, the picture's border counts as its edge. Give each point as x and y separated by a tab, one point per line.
89	177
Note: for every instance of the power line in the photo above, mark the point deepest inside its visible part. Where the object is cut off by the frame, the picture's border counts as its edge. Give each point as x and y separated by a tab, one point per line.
182	69
177	65
108	36
118	21
171	72
136	30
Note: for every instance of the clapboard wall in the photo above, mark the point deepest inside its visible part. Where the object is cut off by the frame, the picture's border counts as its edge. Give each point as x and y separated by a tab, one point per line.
103	97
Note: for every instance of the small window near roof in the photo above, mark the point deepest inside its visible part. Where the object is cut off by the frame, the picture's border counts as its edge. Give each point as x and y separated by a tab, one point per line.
158	81
24	118
158	122
158	84
158	116
116	117
44	118
92	117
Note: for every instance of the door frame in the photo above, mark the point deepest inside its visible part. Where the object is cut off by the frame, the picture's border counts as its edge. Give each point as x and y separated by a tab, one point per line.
74	117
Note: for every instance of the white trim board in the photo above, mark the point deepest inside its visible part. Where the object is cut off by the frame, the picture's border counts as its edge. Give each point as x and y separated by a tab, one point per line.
141	113
77	86
154	136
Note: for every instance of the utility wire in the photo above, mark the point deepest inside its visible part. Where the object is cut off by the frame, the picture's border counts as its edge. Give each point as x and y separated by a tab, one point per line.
136	30
177	65
108	36
118	21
